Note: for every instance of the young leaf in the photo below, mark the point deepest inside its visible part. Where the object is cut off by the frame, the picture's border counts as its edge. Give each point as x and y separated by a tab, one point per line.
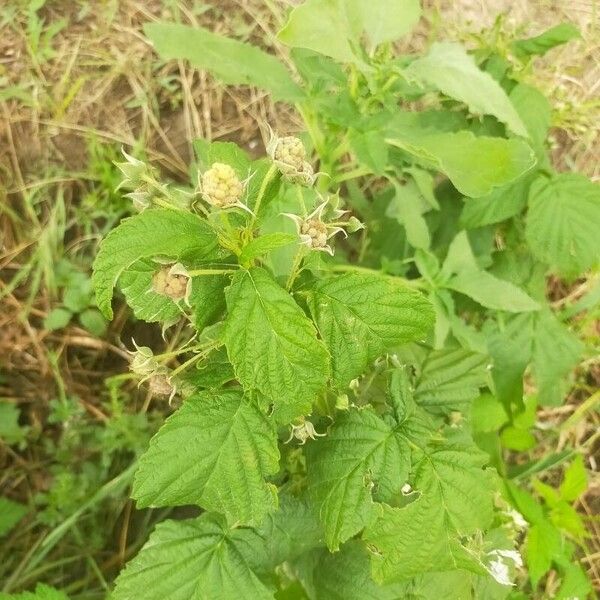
195	559
264	244
233	62
451	70
362	455
482	164
575	480
536	113
407	207
362	316
215	451
540	44
271	343
562	222
491	292
155	232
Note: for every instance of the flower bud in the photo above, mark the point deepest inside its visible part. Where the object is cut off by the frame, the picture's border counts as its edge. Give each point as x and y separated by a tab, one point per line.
135	172
220	186
143	362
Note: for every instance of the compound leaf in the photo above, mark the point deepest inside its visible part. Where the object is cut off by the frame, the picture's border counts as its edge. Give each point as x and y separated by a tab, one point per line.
272	345
154	232
361	450
215	451
195	559
455	499
362	316
232	61
562	222
451	70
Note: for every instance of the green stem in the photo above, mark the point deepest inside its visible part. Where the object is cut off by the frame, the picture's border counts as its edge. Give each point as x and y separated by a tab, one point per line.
198	272
261	192
352	174
295	267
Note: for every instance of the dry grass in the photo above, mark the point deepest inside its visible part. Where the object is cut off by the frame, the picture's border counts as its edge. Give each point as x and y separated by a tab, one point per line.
98	82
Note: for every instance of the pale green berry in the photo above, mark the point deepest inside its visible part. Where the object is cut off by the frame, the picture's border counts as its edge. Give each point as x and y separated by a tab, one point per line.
315	232
220	186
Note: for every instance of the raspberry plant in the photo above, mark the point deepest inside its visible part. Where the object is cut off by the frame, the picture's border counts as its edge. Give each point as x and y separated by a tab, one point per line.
362	306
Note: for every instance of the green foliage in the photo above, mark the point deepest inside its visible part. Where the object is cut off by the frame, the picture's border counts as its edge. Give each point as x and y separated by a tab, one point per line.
393	361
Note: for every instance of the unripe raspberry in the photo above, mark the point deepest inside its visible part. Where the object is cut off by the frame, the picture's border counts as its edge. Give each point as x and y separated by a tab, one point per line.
316	232
220	186
289	155
290	152
167	283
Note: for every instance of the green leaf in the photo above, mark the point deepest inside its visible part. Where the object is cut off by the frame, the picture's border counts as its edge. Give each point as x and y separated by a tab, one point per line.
57	318
272	345
536	112
451	378
136	284
482	164
10	514
575	480
334	27
502	203
556	351
155	232
562	222
346	575
384	20
229	153
322	26
42	592
369	150
215	451
491	292
232	61
291	531
540	44
360	450
264	244
542	545
455	500
10	430
451	70
195	559
92	320
407	207
362	316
